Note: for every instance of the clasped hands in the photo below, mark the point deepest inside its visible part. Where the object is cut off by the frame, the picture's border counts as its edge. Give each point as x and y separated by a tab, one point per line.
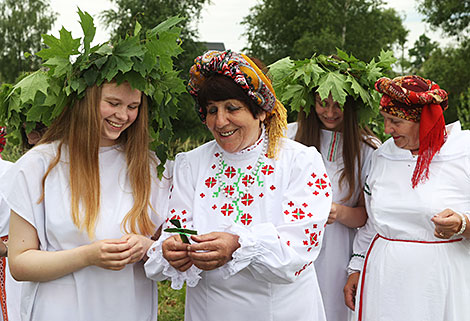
115	254
210	251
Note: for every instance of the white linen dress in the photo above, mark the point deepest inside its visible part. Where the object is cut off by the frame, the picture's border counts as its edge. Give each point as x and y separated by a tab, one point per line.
410	274
91	293
280	223
331	265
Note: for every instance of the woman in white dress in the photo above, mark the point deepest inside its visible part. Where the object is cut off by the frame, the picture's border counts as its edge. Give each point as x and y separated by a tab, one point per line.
346	146
258	201
86	199
417	197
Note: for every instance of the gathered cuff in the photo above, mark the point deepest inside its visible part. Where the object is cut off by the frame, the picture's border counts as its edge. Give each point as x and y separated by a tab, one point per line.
244	255
356	262
158	269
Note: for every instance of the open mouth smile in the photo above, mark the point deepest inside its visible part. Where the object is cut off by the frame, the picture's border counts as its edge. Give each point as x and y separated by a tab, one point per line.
227	134
113	124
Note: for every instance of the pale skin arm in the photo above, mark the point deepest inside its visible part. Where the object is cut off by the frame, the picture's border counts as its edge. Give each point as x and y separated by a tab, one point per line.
28	263
352	217
447	223
350	290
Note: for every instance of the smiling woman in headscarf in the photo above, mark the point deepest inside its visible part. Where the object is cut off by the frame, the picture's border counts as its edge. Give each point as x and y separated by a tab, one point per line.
258	201
418	201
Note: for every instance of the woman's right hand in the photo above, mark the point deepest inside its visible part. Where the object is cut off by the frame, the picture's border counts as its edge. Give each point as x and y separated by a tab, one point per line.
112	254
176	253
350	290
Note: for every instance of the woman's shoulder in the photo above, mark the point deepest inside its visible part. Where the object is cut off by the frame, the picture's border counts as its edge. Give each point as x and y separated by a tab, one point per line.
40	152
197	154
292	150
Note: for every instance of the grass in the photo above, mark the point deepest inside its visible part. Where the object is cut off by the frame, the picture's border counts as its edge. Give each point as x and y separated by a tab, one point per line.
170	302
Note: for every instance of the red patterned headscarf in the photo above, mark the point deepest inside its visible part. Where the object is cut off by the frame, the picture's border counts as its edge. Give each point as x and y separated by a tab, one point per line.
420	100
246	74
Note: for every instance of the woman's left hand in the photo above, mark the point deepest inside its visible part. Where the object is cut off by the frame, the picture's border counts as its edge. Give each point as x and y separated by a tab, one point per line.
212	250
139	246
447	223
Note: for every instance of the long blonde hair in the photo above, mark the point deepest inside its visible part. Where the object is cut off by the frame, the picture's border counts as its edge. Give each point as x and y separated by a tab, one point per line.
79	128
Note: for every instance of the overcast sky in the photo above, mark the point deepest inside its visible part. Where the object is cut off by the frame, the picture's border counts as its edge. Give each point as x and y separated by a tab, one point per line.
220	21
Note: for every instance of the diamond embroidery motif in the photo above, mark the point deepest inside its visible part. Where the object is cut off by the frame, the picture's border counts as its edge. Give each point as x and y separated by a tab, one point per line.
298	214
246	219
227	209
320	183
210	182
230	172
267	170
229	189
248	180
247	199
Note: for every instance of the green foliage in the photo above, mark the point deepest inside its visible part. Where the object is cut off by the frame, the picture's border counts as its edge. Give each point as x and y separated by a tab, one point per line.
21	26
297	82
463	109
448	68
143	60
421	51
148	13
278	28
453	16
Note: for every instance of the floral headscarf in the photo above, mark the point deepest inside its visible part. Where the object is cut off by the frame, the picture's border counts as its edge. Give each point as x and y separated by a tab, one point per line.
246	74
420	100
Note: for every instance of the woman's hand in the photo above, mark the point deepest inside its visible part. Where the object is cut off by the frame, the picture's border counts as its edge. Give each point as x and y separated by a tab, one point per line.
335	208
212	250
176	253
352	217
139	246
350	290
110	254
447	223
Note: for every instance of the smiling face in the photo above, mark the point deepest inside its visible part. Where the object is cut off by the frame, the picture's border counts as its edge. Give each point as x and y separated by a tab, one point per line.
405	133
119	107
329	113
232	124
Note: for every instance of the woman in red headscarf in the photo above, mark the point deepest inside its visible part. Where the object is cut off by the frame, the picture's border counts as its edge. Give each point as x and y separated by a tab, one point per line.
418	199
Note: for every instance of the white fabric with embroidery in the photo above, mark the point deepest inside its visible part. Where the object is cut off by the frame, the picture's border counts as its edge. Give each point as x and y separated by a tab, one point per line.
91	293
280	222
416	281
332	263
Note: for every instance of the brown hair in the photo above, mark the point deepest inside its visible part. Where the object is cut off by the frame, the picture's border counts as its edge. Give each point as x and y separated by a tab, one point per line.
309	134
79	128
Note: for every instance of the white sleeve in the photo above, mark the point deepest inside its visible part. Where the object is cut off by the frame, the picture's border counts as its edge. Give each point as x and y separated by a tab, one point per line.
180	205
365	234
279	253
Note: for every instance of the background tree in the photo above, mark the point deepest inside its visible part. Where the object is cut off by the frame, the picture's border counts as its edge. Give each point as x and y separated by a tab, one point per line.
452	16
150	13
278	28
21	25
421	51
449	66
